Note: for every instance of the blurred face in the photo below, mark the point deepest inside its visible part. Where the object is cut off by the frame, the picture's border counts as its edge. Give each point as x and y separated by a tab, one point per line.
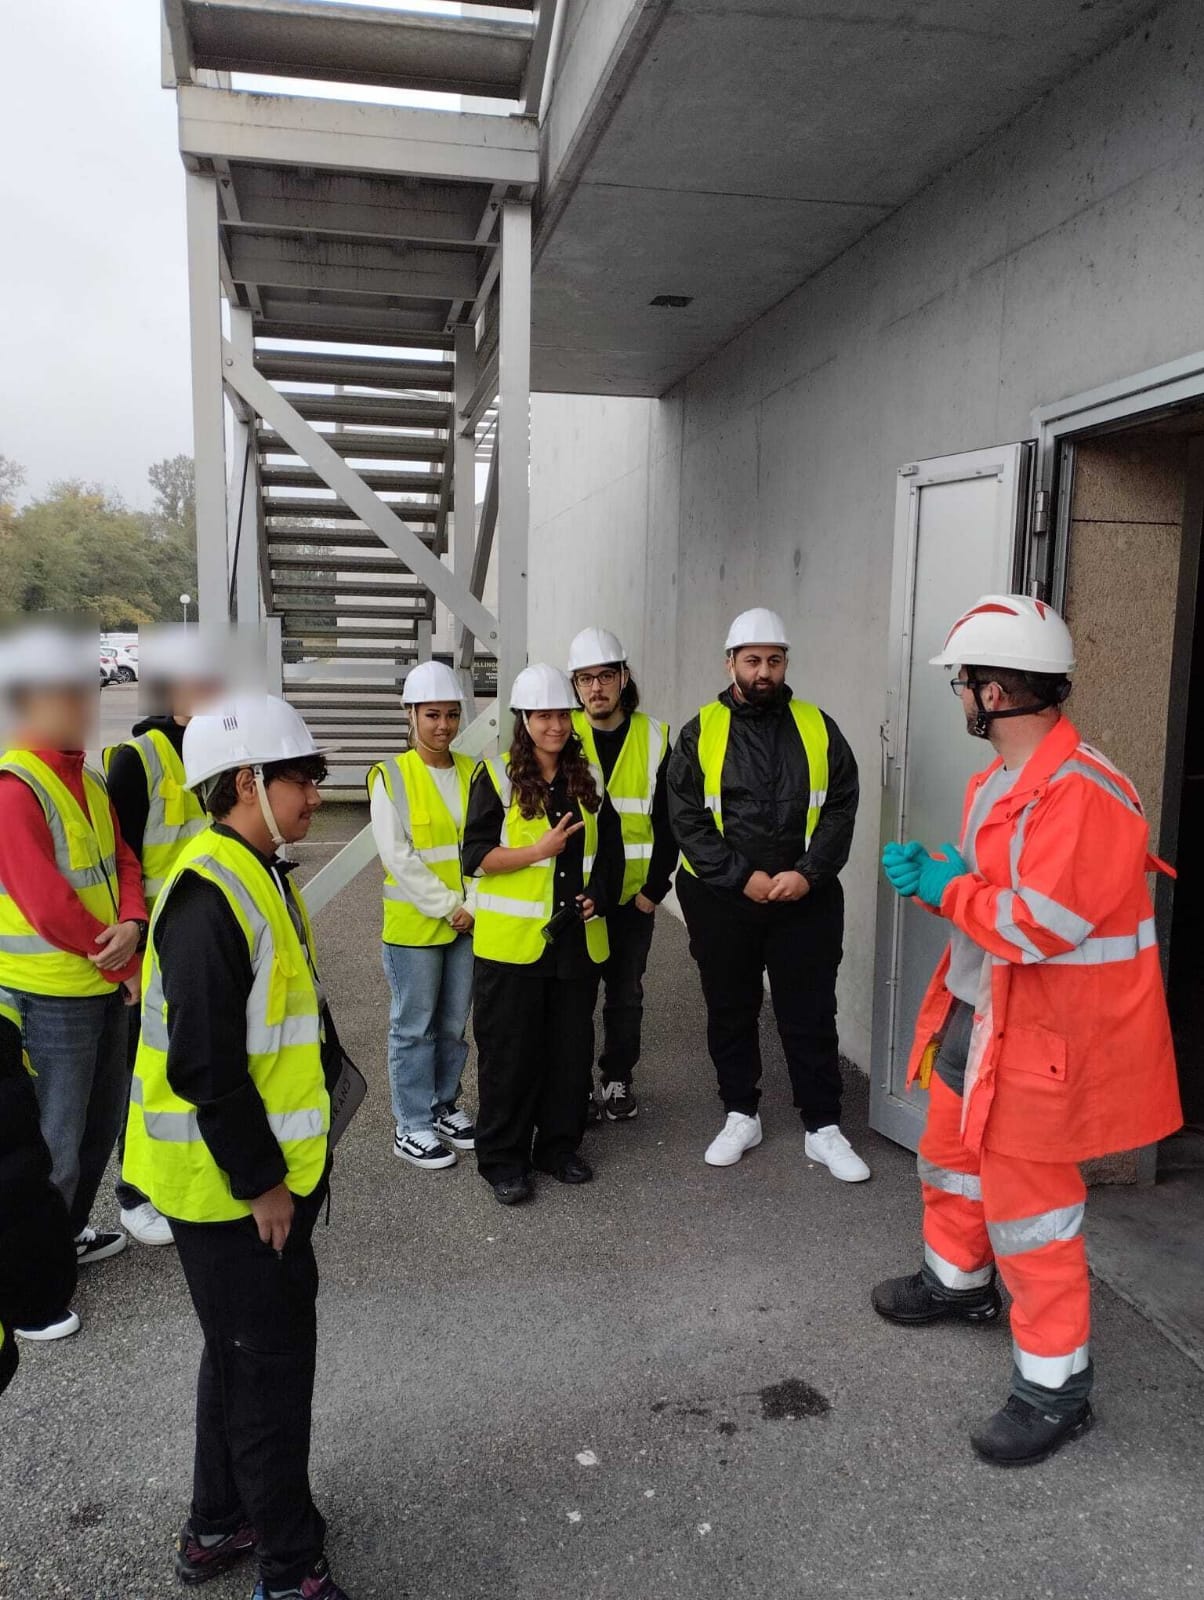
435	723
758	672
600	689
549	730
57	718
187	697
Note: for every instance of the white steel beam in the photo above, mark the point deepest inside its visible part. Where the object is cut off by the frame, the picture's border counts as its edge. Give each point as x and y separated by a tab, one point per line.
288	130
514	439
482	551
465	471
354	205
244	505
352	266
208	404
537	61
351	489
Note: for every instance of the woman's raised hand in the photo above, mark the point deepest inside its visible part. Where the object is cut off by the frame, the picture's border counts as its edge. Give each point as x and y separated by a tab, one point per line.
557	837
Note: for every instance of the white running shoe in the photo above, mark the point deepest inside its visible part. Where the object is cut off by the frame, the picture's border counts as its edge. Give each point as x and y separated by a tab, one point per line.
147	1224
60	1327
456	1129
831	1149
422	1149
738	1134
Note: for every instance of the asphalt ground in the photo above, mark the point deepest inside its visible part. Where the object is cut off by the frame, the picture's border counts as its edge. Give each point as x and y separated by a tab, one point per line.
666	1383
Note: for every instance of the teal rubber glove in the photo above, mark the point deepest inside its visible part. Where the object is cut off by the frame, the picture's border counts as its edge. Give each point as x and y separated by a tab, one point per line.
936	876
901	864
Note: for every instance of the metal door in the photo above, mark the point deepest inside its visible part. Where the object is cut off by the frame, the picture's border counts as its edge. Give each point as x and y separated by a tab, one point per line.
959	526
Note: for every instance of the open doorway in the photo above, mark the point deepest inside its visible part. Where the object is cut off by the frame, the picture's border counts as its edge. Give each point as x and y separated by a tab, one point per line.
1132	597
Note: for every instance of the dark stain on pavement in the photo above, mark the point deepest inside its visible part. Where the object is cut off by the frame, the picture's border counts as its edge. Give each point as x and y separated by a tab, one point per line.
726	1428
90	1515
791	1400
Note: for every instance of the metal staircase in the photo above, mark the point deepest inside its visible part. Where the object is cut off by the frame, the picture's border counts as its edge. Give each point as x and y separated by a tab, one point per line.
375	260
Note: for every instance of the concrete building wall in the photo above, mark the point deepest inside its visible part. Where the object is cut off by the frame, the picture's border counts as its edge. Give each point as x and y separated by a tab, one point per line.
1064	254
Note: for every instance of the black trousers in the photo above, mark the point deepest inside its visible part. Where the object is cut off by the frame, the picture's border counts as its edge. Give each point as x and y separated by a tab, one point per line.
255	1386
630	933
128	1196
535	1055
799	945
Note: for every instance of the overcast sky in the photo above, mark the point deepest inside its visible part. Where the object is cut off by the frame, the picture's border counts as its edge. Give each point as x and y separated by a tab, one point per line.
94	376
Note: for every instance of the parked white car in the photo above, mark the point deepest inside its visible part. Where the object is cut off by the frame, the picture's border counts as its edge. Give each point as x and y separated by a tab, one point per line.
125	664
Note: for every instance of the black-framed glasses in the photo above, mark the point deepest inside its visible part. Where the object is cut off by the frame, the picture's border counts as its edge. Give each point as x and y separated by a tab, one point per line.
958	685
606	679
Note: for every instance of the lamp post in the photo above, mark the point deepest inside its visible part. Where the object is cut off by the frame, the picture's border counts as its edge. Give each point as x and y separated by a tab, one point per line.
185	601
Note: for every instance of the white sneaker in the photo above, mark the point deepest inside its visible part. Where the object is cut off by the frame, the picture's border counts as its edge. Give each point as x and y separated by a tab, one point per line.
147	1224
738	1134
831	1149
422	1149
60	1327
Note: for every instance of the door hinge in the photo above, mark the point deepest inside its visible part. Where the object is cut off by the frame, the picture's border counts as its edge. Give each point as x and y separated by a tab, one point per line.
1041	511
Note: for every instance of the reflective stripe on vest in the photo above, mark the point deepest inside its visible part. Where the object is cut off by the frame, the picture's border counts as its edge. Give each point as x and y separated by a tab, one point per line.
631	787
165	1154
85	853
714	725
436	837
512	907
174	814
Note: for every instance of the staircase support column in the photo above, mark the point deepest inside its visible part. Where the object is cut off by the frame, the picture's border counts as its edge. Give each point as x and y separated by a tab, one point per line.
244	517
513	441
208	402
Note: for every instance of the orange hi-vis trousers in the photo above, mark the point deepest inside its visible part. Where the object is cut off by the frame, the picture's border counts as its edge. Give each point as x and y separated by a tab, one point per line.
1026	1217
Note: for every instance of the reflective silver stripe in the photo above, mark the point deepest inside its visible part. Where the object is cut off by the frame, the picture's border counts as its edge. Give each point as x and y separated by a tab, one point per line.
1007	927
1082	769
967	1184
713	802
89	877
512	908
180	1127
1030	1233
27	944
818	797
1059	919
439	852
587	865
1108	948
637	852
265	1039
501	778
952	1277
1051	1372
631	807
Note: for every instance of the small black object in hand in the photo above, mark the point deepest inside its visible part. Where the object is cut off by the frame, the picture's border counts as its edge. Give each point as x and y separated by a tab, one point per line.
566	918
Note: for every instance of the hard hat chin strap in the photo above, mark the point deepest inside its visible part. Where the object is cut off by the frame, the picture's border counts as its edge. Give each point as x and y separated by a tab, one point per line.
981	726
265	807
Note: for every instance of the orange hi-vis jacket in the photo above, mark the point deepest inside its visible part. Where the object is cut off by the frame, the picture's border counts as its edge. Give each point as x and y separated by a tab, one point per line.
1071	1054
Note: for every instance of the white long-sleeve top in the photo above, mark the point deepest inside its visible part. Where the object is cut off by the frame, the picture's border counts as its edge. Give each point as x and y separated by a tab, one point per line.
395	846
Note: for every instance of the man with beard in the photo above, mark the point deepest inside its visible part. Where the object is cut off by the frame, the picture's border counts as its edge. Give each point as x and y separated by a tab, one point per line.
762	799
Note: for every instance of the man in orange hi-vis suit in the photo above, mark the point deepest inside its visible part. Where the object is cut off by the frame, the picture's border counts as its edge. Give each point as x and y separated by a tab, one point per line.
1043	1038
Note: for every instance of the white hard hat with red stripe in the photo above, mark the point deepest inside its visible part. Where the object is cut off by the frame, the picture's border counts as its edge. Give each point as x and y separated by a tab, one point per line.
1009	630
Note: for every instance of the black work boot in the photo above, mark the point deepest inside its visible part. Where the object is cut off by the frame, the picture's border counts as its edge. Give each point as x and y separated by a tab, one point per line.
916	1299
1019	1435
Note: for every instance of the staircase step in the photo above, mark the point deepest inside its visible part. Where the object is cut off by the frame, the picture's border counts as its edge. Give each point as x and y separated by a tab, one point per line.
285	588
361	44
334	510
383	482
366	372
369	410
365	445
334	563
328	540
404	650
376	613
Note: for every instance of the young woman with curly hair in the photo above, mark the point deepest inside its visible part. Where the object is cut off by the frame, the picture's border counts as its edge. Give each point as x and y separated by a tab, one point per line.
545	846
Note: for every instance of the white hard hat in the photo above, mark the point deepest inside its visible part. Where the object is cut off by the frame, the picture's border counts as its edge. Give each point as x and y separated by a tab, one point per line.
1009	630
48	656
184	652
757	626
430	680
595	647
244	731
542	688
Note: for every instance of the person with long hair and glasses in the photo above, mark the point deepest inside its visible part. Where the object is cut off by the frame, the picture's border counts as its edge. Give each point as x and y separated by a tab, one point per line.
545	845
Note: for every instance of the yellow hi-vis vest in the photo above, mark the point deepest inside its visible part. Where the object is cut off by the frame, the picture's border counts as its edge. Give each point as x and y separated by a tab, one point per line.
631	786
715	721
85	852
437	838
165	1154
174	814
512	907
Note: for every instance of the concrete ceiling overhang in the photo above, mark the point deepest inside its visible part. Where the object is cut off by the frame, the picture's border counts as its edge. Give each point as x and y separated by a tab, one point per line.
729	149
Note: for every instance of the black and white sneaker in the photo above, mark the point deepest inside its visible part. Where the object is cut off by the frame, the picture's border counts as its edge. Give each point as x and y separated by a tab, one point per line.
422	1149
92	1244
619	1102
456	1129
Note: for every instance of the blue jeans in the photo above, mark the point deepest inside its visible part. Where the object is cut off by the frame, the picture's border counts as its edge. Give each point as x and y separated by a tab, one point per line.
77	1048
431	986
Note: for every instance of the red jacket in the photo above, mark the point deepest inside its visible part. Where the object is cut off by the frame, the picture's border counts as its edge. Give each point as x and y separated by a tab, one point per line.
1071	1055
31	876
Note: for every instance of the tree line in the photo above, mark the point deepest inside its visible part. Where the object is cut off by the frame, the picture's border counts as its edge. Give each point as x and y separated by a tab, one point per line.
80	548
